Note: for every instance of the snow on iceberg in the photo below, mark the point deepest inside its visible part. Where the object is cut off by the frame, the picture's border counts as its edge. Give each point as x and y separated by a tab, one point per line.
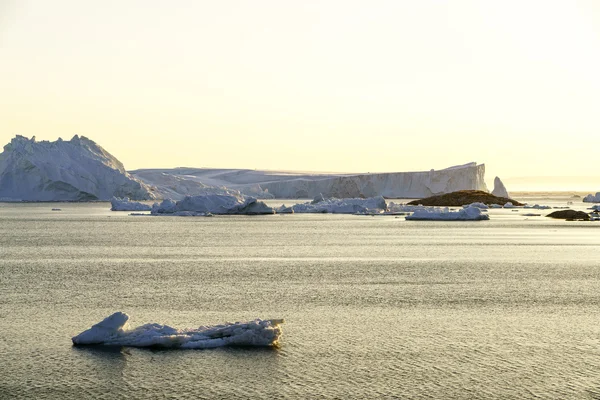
175	183
212	204
125	204
444	214
114	331
342	206
500	189
65	170
590	198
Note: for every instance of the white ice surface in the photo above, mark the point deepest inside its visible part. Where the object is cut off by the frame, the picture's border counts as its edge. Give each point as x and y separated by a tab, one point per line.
234	203
127	205
499	188
342	206
178	182
481	206
64	170
114	331
444	214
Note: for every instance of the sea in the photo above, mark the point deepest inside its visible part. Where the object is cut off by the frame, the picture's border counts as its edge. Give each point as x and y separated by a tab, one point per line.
374	306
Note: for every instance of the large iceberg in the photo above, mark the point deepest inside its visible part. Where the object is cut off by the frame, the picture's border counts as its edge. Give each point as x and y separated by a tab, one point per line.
127	205
266	184
114	331
590	198
212	204
73	170
444	214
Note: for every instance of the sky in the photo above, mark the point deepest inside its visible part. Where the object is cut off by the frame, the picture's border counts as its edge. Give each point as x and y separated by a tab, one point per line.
344	86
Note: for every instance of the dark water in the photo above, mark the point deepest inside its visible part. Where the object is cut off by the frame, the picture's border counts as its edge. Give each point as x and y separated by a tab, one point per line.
375	307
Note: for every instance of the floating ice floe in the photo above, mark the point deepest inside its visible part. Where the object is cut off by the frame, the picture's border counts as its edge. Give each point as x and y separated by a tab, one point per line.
444	214
590	198
495	206
509	205
125	204
537	207
212	204
481	206
372	205
114	331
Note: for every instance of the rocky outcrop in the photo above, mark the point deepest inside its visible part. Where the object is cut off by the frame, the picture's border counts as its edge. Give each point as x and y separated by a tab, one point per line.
570	215
464	197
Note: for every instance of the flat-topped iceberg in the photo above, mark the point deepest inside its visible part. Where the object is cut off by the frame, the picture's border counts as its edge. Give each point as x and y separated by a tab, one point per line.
125	204
444	214
342	206
175	183
114	331
212	204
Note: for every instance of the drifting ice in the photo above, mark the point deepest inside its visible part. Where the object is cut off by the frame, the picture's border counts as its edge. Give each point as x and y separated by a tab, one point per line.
114	331
125	204
341	206
212	204
590	198
444	214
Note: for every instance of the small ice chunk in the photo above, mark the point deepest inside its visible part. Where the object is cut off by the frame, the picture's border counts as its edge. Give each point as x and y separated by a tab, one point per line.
125	204
444	214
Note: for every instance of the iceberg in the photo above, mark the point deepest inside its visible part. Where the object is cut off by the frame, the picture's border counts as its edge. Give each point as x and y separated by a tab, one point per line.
342	206
114	331
590	198
537	206
65	170
175	183
212	204
444	214
479	205
500	189
125	204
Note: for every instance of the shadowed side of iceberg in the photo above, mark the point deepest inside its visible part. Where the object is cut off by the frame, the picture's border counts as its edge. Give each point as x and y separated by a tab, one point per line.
113	331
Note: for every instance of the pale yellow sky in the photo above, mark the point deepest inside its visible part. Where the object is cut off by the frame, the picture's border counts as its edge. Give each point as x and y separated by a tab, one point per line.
310	85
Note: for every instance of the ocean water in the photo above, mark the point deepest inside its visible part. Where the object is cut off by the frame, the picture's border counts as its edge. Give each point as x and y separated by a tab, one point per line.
375	307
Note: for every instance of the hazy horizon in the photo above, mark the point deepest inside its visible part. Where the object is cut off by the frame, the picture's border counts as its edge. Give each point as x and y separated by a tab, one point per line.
321	86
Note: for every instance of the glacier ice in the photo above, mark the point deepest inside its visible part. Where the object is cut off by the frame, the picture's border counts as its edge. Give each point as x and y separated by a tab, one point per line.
114	331
125	204
444	214
590	198
212	204
500	189
178	182
64	170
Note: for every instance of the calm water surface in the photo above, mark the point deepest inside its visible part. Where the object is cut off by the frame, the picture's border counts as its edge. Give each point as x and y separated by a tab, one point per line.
375	307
